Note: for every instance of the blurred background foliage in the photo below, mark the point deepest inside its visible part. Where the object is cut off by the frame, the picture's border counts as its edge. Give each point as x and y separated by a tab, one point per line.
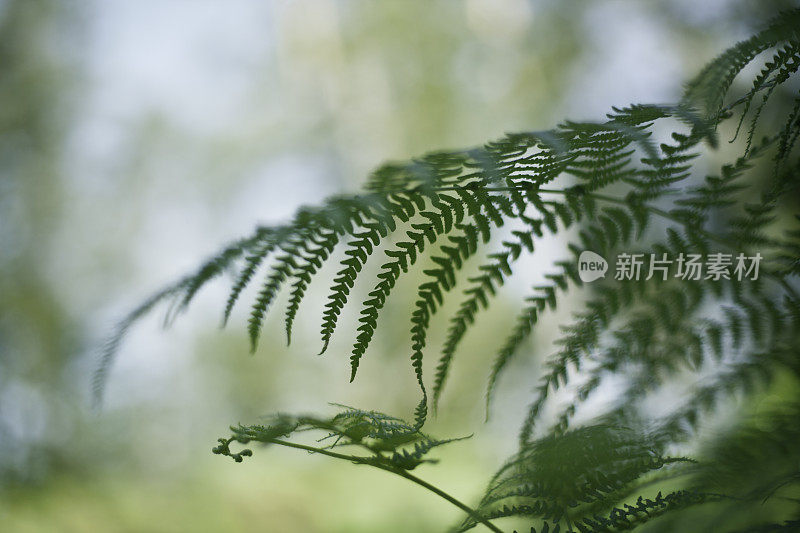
136	137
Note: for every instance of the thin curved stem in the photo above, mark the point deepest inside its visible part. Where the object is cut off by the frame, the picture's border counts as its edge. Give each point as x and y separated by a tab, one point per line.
446	496
312	449
377	462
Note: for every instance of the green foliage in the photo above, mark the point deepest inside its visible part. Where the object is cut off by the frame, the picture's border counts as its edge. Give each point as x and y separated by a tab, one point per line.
470	215
555	476
391	443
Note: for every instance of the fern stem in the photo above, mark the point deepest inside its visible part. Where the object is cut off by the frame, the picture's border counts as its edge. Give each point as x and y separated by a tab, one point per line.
446	496
376	462
312	449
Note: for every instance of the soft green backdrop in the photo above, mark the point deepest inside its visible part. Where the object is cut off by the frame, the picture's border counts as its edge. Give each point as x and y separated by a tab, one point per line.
137	137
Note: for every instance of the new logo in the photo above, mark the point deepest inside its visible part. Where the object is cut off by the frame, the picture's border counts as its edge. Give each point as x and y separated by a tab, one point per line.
591	266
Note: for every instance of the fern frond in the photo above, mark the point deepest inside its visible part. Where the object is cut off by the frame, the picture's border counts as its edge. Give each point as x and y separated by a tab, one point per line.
376	433
630	517
545	298
444	206
625	190
380	219
551	478
182	290
284	267
710	87
252	263
401	258
311	262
